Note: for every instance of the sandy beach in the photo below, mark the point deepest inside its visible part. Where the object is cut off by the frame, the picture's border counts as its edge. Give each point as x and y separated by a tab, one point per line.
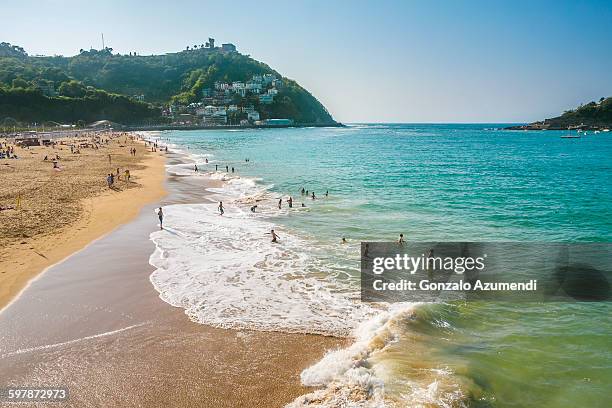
94	323
62	210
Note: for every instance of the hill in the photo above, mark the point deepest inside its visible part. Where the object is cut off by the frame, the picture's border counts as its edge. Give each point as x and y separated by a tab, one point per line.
135	89
593	115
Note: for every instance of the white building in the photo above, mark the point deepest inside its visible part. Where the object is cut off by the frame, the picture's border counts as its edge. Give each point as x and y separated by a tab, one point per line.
268	78
253	115
272	91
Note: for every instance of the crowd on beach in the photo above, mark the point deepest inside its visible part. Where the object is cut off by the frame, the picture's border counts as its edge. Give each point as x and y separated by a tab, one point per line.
7	151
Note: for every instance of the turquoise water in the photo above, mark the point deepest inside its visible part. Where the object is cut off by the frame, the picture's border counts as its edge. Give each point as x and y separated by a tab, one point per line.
455	183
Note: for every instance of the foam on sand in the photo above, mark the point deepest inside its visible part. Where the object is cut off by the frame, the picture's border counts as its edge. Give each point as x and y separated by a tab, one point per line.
225	272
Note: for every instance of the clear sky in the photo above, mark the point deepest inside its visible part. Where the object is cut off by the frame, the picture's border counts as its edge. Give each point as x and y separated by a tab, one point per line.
366	61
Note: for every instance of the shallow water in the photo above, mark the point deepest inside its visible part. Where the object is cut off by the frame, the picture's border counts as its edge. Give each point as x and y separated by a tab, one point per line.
432	183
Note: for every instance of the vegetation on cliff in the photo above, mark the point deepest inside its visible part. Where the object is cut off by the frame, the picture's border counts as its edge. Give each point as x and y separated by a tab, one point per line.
98	84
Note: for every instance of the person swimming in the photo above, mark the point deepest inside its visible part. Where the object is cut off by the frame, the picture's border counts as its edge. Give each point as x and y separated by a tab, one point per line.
221	209
326	193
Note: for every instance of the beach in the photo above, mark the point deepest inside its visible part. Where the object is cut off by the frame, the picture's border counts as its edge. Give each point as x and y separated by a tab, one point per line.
94	323
62	210
210	312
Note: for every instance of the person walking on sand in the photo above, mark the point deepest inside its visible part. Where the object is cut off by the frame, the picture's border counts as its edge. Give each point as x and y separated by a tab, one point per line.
221	210
401	240
160	215
275	237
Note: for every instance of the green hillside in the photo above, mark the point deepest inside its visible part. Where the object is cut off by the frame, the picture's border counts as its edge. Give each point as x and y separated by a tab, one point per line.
95	85
593	115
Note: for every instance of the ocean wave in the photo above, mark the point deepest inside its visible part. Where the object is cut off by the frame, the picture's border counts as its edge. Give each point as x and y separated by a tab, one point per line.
224	271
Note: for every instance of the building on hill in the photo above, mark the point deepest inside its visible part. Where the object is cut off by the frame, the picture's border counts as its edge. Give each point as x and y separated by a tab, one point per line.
229	47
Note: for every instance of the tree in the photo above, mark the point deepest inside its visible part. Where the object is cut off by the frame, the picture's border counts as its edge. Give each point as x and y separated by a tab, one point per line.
20	83
72	89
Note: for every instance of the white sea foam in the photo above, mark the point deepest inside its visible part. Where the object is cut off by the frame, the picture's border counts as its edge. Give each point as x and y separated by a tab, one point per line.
225	272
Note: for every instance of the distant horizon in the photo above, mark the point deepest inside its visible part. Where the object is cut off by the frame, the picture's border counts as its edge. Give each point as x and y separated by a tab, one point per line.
384	62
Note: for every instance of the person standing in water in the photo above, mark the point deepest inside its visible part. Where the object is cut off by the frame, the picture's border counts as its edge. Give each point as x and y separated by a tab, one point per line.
216	167
227	169
206	161
313	196
401	239
160	215
221	210
195	168
326	193
290	201
280	203
303	191
274	236
232	169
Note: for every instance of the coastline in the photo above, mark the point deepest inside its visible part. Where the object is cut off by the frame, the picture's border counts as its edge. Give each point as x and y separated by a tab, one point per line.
108	337
100	214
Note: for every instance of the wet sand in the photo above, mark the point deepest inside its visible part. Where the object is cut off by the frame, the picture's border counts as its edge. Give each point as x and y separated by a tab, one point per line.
95	324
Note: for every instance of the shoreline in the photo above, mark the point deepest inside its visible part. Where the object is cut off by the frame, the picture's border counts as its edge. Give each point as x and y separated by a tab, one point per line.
95	323
25	259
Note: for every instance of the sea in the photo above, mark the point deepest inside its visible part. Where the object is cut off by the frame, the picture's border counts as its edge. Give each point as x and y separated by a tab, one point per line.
429	182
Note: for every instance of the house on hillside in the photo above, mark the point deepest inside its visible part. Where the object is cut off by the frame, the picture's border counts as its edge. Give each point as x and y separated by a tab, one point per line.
229	47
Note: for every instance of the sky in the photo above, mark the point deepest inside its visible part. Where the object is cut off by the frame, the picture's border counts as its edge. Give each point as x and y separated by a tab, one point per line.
366	61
